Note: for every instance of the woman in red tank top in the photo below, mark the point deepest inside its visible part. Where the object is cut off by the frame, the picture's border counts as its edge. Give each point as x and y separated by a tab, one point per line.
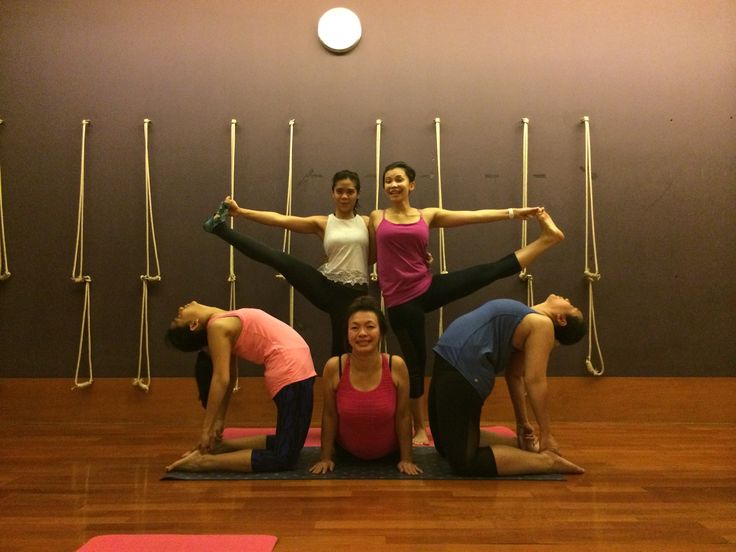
366	396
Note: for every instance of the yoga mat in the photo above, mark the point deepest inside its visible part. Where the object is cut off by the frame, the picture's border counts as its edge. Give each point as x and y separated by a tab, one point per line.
427	458
180	543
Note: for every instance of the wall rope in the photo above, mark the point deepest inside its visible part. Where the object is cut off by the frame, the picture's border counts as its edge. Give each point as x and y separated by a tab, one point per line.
79	277
379	123
443	256
147	277
379	183
524	275
4	268
232	277
592	275
286	248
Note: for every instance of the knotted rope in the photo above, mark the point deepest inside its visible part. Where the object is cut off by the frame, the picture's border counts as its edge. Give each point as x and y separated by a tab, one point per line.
443	256
232	277
592	275
286	248
379	183
524	275
79	277
4	272
147	277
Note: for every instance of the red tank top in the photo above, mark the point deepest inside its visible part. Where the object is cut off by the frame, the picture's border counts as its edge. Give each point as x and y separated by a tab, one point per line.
366	425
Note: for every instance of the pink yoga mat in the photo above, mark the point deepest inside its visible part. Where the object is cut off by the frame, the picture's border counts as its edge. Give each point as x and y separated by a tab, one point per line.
180	543
313	437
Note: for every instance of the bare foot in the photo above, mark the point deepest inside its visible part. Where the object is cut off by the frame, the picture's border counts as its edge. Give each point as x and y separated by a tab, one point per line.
420	437
549	229
192	462
560	465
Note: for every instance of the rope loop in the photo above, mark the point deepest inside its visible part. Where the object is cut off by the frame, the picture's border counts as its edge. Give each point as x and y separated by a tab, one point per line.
443	254
591	274
524	275
79	277
147	277
4	271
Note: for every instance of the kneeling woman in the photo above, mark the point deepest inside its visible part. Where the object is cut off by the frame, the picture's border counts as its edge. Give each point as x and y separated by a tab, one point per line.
366	396
257	337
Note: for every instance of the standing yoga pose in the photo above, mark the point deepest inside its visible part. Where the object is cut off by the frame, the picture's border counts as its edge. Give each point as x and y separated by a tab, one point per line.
344	233
500	335
366	397
401	235
289	375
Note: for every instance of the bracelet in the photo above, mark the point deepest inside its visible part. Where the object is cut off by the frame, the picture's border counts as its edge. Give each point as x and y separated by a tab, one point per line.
511	213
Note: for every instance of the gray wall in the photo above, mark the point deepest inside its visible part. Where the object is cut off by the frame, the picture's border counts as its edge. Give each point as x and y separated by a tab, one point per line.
657	79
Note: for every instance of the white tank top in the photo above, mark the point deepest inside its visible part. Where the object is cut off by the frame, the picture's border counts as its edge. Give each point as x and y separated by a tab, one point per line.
346	247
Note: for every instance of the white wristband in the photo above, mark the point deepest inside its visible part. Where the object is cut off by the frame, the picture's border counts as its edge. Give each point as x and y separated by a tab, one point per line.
511	213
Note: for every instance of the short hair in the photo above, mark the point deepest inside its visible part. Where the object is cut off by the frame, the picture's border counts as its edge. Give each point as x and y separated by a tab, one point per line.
366	303
184	339
572	332
411	174
203	376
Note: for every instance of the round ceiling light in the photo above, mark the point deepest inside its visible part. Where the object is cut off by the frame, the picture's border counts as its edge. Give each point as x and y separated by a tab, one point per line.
339	30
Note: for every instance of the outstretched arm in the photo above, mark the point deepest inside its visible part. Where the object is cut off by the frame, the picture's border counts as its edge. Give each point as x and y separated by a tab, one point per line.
329	418
400	376
444	218
303	225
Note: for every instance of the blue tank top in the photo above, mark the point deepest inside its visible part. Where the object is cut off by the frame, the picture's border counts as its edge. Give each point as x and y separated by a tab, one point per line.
478	344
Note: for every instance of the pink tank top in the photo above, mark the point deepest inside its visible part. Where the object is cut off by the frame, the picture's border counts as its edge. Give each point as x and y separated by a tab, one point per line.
401	251
367	419
277	346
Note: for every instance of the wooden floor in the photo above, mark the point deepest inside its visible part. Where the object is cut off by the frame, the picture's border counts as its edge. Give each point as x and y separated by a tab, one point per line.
76	464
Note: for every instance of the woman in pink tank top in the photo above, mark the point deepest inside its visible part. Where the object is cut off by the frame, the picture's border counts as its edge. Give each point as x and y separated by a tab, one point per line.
366	396
400	235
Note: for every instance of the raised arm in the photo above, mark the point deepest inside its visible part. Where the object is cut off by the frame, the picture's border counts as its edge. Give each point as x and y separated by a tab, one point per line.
537	348
329	418
400	376
303	225
445	218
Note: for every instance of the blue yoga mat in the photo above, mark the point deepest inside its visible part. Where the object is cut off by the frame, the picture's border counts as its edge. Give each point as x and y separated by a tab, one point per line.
427	458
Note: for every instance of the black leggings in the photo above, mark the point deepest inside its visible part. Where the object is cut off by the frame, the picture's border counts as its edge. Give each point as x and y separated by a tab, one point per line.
294	414
454	417
328	296
407	319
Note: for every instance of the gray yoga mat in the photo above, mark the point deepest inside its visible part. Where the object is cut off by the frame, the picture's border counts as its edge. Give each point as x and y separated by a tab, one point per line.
427	458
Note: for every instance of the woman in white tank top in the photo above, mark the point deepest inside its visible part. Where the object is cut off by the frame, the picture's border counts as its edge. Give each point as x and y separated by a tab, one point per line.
344	233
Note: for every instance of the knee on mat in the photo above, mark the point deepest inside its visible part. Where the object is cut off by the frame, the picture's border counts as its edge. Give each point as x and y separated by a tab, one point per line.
461	464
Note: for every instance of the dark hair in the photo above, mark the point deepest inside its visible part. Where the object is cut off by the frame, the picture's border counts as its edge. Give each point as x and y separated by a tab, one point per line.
366	303
184	339
411	174
572	332
203	376
346	174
